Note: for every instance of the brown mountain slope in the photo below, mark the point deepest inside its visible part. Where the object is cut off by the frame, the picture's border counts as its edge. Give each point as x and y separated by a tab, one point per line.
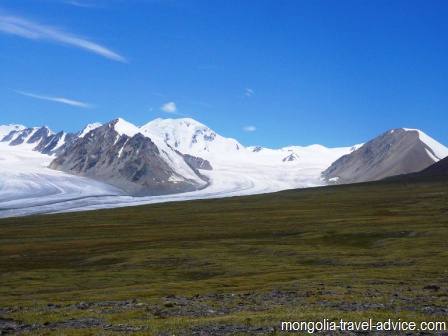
395	152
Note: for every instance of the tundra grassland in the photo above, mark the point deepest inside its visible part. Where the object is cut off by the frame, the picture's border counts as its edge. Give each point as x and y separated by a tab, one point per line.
235	265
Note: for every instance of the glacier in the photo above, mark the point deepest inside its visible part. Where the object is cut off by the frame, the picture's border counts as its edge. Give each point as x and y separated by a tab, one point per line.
28	187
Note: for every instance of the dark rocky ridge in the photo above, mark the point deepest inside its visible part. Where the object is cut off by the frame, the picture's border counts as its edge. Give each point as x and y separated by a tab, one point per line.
48	146
20	139
42	134
46	141
393	153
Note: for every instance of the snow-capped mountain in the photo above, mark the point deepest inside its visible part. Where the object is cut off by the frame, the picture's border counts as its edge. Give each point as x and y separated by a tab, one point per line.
395	152
298	154
191	137
433	148
27	135
119	154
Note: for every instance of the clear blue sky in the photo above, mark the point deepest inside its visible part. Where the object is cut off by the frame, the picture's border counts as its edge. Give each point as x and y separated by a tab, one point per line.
269	73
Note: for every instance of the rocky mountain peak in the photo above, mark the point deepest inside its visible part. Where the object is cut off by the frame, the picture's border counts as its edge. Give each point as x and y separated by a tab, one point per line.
41	134
88	128
397	151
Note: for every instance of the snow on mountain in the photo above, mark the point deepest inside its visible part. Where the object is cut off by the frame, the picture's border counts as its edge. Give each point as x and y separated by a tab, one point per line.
437	149
41	139
42	133
255	167
55	144
314	155
6	129
119	154
191	137
26	137
59	140
121	126
89	128
174	160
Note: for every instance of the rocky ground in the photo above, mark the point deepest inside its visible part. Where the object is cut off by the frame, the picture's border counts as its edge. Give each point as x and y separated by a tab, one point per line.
224	304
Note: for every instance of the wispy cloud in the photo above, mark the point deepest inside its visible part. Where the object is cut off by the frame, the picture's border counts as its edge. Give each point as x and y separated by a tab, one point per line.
101	3
82	4
249	128
169	108
59	100
30	30
249	93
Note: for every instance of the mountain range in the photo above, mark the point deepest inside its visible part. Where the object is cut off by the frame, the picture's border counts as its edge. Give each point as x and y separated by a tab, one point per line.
182	156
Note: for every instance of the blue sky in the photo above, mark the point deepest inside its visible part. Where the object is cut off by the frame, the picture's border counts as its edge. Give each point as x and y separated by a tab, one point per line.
269	73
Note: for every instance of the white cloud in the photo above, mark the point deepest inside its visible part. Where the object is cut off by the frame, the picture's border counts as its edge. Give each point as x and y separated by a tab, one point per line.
249	92
249	128
30	30
59	100
81	4
169	108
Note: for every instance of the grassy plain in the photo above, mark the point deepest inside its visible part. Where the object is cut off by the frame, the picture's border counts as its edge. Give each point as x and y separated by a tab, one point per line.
354	252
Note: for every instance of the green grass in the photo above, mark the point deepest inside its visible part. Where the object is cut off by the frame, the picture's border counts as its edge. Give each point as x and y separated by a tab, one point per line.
385	236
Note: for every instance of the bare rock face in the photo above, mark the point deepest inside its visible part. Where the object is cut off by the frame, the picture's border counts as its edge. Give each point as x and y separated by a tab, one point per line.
42	133
395	152
132	163
44	140
197	162
292	157
21	138
56	143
